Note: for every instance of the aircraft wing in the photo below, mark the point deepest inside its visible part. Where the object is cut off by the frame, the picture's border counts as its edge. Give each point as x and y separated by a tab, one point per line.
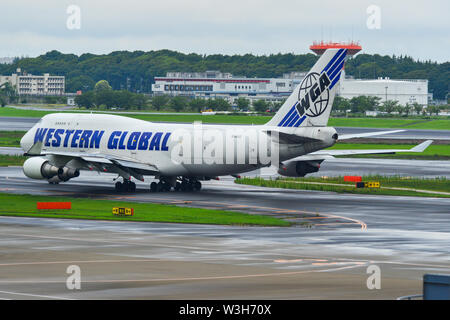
330	154
105	163
126	167
366	134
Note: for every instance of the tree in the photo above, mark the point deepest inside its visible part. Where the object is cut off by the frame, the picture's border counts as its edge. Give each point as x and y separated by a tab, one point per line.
83	83
86	100
106	98
407	109
363	103
135	71
8	93
159	101
140	101
390	106
433	109
341	104
417	108
260	105
178	103
102	85
197	104
219	104
242	103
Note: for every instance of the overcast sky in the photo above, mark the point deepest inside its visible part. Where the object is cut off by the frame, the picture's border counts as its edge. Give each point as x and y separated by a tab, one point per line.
420	29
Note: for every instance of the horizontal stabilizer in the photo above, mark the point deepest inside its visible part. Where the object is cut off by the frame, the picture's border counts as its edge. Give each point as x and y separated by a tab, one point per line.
326	154
367	134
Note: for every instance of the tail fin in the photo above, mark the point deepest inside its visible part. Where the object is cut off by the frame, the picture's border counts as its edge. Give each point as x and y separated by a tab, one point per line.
310	102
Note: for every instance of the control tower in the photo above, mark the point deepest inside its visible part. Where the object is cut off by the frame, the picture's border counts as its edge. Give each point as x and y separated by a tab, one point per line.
320	47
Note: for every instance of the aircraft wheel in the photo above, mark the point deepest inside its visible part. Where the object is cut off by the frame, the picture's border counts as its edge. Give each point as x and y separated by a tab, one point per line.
153	187
177	186
184	186
160	186
119	186
132	187
197	185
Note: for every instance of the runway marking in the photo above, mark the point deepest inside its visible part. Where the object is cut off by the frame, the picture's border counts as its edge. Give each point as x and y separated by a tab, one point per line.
34	295
308	218
117	241
71	262
361	223
333	223
271	274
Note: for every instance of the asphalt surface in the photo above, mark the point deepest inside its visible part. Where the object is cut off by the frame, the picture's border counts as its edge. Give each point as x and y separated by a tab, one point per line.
23	124
325	257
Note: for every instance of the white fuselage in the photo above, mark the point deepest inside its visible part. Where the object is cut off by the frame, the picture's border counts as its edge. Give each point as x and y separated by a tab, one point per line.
174	149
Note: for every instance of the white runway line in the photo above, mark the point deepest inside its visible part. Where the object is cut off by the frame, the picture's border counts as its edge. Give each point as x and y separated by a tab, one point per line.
33	295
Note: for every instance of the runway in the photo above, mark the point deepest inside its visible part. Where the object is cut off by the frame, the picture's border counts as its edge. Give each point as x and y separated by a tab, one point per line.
24	124
326	258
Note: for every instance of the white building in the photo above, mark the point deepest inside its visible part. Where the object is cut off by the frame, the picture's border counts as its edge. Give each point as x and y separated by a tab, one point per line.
28	84
403	91
214	84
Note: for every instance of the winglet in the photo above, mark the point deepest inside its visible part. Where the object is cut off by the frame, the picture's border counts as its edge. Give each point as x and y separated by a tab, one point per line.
421	147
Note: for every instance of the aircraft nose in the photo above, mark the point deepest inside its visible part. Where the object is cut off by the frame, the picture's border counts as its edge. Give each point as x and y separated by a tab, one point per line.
26	142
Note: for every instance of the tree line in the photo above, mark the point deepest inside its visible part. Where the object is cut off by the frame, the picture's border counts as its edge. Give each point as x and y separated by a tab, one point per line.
361	104
135	71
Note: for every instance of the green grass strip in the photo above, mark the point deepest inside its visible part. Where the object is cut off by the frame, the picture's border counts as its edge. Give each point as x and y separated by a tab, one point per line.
408	123
25	205
438	185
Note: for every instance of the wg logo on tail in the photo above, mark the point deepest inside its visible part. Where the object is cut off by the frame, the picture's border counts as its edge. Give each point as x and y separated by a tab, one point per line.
313	95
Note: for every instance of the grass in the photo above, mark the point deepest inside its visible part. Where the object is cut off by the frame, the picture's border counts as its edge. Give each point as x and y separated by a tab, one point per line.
433	152
321	184
413	123
25	206
436	184
7	160
219	118
11	138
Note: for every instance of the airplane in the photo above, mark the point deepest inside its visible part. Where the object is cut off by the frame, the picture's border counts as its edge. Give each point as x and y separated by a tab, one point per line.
180	156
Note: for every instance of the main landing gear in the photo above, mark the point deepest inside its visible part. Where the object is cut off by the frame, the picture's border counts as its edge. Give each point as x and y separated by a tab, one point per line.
178	185
125	186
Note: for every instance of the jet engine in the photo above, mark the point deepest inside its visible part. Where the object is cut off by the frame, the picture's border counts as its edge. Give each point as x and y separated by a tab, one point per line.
299	168
41	168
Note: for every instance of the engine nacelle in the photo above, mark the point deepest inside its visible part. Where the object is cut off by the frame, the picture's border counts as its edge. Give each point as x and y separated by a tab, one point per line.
66	173
299	168
39	168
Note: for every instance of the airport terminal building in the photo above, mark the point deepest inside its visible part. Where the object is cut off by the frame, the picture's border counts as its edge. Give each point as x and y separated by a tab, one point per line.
28	84
403	91
215	84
